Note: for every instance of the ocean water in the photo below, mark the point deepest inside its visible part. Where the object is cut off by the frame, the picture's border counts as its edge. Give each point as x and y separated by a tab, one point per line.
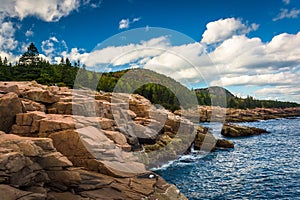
259	167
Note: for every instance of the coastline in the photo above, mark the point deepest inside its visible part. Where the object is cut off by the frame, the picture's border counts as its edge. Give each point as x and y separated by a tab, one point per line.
43	117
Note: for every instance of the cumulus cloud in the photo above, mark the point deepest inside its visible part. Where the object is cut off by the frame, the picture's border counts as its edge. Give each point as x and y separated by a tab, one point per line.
238	60
47	10
247	61
29	33
285	13
121	55
125	23
286	2
222	29
282	78
283	93
53	47
7	39
74	55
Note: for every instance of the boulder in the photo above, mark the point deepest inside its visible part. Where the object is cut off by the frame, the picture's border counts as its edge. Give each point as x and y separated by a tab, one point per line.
89	147
9	87
33	106
205	142
222	143
40	95
233	130
10	105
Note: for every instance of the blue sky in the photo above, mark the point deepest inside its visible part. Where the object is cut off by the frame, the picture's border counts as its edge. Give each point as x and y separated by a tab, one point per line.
253	45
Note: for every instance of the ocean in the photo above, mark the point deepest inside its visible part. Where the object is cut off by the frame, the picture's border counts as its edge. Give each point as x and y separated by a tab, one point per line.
259	167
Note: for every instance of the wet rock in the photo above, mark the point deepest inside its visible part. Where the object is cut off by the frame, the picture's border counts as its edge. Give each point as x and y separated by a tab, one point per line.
222	143
205	142
233	130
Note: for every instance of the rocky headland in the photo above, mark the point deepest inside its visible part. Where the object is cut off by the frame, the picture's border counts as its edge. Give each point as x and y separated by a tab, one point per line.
59	143
246	115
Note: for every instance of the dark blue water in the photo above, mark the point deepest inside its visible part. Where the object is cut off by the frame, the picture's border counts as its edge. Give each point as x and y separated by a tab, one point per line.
260	167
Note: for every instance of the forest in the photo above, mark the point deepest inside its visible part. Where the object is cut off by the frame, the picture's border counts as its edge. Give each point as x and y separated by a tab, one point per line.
159	89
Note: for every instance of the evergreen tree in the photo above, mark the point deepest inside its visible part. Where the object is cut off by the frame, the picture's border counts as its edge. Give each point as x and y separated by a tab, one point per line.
68	63
62	61
5	62
31	56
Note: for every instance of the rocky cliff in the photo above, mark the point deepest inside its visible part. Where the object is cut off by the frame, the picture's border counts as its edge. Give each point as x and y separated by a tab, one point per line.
61	144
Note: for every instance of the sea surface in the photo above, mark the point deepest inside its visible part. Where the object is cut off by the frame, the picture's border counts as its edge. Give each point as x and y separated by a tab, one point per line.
259	167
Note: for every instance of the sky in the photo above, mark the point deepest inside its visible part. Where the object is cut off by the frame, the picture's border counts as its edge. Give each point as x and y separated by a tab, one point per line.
250	47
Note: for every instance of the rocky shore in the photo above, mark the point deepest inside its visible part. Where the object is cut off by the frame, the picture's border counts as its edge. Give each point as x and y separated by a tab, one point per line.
58	143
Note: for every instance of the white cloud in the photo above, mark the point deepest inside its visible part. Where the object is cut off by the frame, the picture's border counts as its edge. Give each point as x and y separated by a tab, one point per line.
239	60
9	56
75	55
285	13
222	29
7	36
136	19
247	61
53	48
281	78
29	33
286	2
283	93
47	10
92	4
241	53
48	45
120	55
125	23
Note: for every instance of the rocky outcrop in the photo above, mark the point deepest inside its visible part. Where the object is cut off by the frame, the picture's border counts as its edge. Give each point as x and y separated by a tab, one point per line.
99	145
31	168
208	113
233	130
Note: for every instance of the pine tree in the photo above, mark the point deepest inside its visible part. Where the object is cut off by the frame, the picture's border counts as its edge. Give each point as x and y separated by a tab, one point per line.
5	62
68	63
31	56
62	61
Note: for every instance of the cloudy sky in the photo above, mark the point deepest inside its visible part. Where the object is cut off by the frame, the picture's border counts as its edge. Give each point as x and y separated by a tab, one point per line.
249	47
